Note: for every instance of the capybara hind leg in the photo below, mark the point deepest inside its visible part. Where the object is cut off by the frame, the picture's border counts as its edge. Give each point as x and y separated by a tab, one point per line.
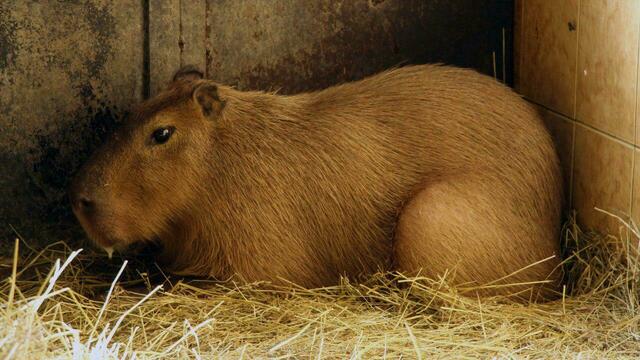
479	235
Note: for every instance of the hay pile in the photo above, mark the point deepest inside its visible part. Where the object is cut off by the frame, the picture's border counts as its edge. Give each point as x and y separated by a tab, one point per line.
84	306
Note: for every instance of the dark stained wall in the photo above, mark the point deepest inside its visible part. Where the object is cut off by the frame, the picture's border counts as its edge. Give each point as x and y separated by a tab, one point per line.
69	70
304	45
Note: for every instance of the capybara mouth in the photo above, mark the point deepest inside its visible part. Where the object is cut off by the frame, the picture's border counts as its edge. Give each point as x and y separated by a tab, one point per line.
132	248
108	244
101	239
105	235
108	240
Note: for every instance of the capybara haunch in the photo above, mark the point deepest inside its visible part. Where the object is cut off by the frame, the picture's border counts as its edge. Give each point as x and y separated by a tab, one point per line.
429	170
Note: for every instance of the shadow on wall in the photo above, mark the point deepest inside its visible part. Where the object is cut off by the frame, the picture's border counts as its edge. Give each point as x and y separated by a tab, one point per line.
63	85
67	83
61	152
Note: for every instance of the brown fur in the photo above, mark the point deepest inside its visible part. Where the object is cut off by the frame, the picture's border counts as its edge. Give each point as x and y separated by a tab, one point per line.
309	187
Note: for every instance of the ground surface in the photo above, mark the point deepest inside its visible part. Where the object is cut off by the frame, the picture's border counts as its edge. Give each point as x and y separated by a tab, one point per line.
83	307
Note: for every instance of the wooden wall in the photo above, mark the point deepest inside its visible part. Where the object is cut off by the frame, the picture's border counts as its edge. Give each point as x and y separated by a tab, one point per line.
69	70
579	61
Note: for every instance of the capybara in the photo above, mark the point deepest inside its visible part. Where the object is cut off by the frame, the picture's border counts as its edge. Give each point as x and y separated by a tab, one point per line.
429	170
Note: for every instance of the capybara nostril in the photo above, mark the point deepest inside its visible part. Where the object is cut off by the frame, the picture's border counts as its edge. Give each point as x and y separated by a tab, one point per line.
83	203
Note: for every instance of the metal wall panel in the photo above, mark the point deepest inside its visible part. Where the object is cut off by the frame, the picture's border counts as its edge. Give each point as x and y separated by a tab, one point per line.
69	70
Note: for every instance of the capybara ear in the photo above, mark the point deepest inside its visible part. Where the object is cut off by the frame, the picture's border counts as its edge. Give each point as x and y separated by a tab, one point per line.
188	73
207	97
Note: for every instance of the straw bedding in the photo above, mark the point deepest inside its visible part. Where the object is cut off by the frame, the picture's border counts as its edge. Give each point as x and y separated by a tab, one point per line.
85	306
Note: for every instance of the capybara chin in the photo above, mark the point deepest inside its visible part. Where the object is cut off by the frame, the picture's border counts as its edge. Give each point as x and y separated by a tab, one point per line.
429	170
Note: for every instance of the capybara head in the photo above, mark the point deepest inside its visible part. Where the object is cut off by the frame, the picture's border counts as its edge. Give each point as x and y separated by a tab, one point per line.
150	170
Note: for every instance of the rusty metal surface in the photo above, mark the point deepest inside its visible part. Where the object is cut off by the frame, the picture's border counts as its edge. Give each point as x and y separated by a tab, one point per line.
70	69
67	70
271	44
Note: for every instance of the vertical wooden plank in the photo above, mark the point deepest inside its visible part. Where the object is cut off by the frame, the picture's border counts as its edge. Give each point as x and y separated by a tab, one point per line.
607	66
164	42
602	177
548	67
635	190
562	132
517	42
192	40
637	114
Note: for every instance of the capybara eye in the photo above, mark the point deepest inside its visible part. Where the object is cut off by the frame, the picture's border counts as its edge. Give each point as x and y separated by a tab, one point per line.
161	135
